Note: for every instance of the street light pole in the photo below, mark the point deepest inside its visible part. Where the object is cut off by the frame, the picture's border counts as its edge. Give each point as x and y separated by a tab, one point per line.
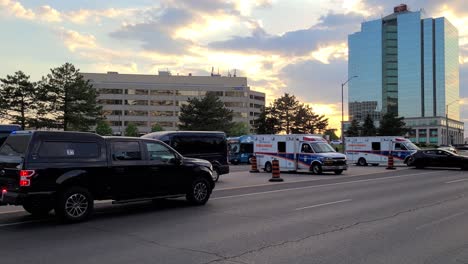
342	109
447	122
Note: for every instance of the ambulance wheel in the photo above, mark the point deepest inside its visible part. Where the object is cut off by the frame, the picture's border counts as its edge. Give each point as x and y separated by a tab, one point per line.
362	162
316	168
268	167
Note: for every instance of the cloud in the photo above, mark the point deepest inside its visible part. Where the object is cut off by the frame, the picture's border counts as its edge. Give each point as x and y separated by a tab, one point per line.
17	9
313	81
331	28
88	16
74	40
49	14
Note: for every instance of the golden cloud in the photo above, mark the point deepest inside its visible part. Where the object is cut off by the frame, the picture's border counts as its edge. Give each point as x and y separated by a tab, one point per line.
49	14
17	9
74	40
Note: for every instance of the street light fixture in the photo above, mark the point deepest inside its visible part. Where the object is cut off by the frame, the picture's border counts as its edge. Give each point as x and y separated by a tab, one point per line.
447	121
342	109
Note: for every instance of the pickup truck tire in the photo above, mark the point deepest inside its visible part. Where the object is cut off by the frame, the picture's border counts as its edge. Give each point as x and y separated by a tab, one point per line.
74	204
199	192
38	208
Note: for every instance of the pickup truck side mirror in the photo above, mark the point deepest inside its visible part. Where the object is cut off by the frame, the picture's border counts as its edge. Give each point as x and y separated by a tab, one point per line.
176	160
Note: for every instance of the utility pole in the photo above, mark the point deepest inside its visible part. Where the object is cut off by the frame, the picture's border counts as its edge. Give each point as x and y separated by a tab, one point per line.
342	110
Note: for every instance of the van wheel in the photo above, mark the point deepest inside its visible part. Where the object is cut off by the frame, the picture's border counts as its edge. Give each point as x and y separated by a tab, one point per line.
362	162
268	167
215	175
74	204
316	168
39	208
199	192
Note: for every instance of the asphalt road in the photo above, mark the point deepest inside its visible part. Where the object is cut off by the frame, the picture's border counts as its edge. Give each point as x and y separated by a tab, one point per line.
404	216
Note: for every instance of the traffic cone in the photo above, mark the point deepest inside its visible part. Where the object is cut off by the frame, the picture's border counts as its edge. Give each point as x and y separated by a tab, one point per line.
275	172
253	164
390	165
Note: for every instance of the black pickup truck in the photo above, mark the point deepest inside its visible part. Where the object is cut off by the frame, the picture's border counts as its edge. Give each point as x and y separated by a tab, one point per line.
67	171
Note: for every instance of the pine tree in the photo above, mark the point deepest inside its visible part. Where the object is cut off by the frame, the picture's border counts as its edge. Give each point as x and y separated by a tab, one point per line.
368	128
353	129
391	125
156	127
18	99
131	130
206	114
286	108
266	123
103	128
72	100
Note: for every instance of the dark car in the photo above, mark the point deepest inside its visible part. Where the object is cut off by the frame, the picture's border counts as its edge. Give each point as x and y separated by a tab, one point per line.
67	171
207	145
437	158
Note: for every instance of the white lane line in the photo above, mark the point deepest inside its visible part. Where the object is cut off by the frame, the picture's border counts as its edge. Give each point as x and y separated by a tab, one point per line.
304	180
24	222
439	221
457	181
13	211
322	185
319	205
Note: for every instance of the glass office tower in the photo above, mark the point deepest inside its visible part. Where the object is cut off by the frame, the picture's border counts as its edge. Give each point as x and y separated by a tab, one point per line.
407	65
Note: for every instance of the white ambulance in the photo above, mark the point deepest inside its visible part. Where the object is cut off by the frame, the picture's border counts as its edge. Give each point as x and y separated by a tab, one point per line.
298	152
375	150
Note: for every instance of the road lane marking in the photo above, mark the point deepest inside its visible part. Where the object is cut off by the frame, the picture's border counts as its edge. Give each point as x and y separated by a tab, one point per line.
319	205
306	180
439	221
322	185
24	222
457	181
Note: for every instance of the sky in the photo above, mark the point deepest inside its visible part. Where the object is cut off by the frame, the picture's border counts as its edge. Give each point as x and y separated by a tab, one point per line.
293	46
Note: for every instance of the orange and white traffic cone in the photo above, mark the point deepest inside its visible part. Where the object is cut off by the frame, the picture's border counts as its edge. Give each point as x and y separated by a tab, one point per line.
390	165
275	172
254	167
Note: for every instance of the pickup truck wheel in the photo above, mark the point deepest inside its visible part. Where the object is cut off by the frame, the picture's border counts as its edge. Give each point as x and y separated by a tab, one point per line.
39	208
199	192
74	204
215	175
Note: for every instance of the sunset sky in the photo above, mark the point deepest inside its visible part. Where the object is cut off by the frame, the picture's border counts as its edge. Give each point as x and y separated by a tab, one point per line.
291	46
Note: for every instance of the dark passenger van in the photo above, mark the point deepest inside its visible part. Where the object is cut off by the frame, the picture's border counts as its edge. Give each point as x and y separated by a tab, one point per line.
67	171
6	130
207	145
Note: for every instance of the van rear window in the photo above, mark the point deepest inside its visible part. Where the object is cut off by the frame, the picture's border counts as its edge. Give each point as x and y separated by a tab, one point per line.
68	149
15	145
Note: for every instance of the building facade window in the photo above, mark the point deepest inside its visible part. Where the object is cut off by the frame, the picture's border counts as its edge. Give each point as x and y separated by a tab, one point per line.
110	91
111	112
137	123
136	91
161	102
109	102
136	102
161	92
162	113
136	113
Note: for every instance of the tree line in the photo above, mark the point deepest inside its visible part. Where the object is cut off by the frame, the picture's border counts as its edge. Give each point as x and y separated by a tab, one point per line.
64	100
390	125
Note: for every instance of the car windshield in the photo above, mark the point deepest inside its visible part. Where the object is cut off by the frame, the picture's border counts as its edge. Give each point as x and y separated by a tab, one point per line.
411	146
234	148
15	145
322	148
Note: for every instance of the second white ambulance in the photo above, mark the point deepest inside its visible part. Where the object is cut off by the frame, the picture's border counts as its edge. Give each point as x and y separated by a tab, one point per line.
375	150
298	152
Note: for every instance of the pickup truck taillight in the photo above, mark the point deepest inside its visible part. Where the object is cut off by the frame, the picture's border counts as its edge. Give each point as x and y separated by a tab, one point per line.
25	177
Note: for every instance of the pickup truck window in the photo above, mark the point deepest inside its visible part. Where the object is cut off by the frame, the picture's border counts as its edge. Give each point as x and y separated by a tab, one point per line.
159	152
15	145
126	150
